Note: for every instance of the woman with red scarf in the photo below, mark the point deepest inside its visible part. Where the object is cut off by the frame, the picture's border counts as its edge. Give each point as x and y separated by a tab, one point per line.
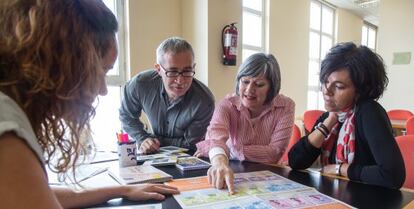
354	137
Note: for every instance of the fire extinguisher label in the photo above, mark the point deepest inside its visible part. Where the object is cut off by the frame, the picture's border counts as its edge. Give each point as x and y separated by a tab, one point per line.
233	51
227	40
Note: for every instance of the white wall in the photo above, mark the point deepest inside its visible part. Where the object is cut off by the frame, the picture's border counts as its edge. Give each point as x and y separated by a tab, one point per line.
396	34
201	22
195	31
288	41
150	22
349	27
220	77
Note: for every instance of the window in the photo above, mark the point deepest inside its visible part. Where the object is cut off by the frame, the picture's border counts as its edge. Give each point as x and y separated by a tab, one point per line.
369	36
321	39
106	121
117	75
253	27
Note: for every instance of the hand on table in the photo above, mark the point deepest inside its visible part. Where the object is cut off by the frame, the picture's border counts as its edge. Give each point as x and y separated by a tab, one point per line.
330	169
149	191
220	175
198	153
150	145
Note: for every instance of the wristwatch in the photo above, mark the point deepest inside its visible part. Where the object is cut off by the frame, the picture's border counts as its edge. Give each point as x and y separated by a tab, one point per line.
338	169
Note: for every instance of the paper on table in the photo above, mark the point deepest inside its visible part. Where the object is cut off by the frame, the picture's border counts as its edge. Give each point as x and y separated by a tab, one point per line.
190	183
151	206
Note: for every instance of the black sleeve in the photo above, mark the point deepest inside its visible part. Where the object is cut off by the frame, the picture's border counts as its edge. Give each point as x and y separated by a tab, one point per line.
303	154
375	130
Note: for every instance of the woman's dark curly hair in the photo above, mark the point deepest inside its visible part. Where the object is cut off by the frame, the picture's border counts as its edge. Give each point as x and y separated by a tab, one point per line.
51	66
366	69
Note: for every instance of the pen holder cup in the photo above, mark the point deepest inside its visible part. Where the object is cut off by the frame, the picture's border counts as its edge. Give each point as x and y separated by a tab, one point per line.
127	153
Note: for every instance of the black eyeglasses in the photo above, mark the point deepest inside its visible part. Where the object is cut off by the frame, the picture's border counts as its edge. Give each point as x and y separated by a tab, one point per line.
186	72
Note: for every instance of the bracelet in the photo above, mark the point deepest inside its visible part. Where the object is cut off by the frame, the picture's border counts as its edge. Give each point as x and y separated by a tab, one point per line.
320	124
321	130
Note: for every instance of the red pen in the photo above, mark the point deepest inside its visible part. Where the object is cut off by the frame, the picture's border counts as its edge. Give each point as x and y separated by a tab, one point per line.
125	137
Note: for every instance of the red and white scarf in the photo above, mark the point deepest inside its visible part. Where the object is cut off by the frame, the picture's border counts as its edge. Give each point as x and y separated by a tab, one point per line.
345	147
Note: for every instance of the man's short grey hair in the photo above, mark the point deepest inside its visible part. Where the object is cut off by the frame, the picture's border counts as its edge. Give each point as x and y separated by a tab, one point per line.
261	64
174	45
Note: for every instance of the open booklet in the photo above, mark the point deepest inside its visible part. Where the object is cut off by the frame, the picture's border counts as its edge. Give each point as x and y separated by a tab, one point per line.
138	174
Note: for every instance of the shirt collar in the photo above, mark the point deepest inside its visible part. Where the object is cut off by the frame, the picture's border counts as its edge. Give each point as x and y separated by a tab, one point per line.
164	94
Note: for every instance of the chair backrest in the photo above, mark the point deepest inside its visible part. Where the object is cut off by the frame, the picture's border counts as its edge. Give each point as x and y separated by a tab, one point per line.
309	119
409	126
399	114
292	141
406	145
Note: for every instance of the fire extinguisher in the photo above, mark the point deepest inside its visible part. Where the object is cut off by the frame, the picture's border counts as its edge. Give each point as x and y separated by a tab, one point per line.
229	43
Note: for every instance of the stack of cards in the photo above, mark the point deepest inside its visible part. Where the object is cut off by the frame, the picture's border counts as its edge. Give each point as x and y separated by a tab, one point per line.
162	161
167	156
173	149
191	163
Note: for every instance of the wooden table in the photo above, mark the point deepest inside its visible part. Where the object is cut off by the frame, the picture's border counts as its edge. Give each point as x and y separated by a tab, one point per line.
356	194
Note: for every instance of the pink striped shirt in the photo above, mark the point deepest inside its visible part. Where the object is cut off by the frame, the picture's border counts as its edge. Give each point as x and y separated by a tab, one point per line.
262	139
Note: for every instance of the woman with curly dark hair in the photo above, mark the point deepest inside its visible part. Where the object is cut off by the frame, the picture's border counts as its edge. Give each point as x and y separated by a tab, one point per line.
354	137
54	56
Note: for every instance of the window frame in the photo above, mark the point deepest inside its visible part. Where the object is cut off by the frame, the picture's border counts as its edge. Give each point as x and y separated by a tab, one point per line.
114	82
321	33
262	15
121	15
373	27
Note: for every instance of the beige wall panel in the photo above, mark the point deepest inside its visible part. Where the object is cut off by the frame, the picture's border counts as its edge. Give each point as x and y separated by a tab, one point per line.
195	30
150	22
396	34
349	27
220	77
288	41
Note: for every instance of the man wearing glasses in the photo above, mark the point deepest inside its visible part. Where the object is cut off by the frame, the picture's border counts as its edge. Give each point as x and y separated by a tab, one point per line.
178	106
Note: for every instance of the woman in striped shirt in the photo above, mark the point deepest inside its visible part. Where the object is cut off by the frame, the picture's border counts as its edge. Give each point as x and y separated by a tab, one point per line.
254	124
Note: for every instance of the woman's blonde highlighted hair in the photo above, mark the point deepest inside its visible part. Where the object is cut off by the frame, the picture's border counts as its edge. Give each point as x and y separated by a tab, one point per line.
51	65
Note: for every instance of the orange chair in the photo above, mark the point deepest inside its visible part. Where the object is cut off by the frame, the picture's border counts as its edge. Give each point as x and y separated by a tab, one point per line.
293	139
406	145
309	119
409	126
399	114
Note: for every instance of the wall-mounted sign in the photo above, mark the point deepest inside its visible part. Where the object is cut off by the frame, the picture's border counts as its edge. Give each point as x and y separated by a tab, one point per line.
401	58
